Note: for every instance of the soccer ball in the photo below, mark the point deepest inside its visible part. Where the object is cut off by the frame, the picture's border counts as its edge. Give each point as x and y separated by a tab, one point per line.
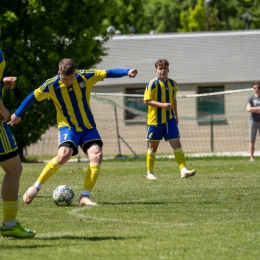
63	195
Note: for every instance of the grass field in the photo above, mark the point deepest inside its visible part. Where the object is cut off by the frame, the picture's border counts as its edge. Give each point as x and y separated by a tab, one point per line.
214	215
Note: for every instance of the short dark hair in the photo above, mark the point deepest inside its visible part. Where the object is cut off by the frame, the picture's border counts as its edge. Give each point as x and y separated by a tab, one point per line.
256	83
161	62
67	66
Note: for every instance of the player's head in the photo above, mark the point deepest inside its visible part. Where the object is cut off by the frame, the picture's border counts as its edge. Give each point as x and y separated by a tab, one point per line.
256	85
162	69
67	69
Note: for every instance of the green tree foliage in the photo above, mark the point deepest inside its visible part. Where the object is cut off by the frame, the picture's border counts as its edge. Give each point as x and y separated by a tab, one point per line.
35	36
229	14
145	15
126	15
222	15
194	18
164	16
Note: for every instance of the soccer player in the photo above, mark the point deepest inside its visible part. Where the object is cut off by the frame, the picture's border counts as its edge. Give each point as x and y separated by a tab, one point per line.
70	91
162	118
11	164
253	107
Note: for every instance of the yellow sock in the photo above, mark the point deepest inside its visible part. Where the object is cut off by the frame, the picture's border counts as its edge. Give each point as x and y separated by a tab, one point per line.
49	170
91	176
10	210
150	159
179	156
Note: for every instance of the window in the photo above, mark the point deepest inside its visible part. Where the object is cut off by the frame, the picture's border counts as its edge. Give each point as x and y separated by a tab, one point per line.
211	108
135	109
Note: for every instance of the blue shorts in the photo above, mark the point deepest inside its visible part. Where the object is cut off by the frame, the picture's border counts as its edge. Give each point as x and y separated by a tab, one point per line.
82	139
8	146
168	131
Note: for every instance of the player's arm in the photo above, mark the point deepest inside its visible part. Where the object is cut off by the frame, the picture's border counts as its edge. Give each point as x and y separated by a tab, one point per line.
154	103
15	118
175	110
4	114
118	73
148	98
251	109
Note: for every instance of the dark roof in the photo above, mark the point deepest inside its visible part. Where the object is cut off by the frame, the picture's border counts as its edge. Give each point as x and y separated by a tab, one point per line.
230	56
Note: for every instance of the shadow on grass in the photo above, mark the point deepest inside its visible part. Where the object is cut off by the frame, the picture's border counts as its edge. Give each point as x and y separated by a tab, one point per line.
134	202
95	238
69	238
22	247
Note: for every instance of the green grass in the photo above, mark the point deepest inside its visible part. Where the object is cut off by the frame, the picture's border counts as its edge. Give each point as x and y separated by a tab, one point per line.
214	215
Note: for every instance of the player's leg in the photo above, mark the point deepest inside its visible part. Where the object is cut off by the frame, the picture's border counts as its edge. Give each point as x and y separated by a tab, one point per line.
252	137
11	164
91	144
173	136
150	159
154	135
67	148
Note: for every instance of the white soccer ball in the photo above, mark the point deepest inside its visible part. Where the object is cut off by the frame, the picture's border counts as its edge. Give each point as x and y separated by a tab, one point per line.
63	195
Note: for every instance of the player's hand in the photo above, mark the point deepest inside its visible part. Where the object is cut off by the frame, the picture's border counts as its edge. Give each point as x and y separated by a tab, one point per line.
4	114
9	82
167	106
177	120
14	120
132	73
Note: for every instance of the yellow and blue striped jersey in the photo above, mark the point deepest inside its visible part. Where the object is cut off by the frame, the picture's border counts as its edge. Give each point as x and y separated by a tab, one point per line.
72	103
2	69
164	92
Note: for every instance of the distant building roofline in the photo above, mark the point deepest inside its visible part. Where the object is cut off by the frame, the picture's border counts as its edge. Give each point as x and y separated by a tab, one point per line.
186	34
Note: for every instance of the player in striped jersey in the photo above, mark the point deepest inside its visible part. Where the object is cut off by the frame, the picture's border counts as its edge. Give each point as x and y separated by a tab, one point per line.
11	164
70	91
162	118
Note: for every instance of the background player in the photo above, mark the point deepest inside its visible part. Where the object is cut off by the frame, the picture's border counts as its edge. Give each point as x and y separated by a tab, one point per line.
11	164
253	107
162	118
70	91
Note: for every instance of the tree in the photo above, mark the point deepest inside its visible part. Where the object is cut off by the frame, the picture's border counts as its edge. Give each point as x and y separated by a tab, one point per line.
127	16
164	16
223	15
229	14
35	35
194	19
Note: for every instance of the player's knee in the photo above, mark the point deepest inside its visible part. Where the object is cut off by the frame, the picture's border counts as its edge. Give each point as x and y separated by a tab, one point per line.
96	156
63	157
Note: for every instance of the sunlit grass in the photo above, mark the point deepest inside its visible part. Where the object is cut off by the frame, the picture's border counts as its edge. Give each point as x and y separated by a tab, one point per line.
214	215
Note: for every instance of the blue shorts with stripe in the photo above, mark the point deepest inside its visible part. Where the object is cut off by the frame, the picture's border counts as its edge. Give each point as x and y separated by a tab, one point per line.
8	146
168	131
68	135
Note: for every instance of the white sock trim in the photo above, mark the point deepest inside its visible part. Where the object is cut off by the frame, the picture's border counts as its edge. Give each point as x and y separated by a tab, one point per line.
9	224
183	169
38	185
